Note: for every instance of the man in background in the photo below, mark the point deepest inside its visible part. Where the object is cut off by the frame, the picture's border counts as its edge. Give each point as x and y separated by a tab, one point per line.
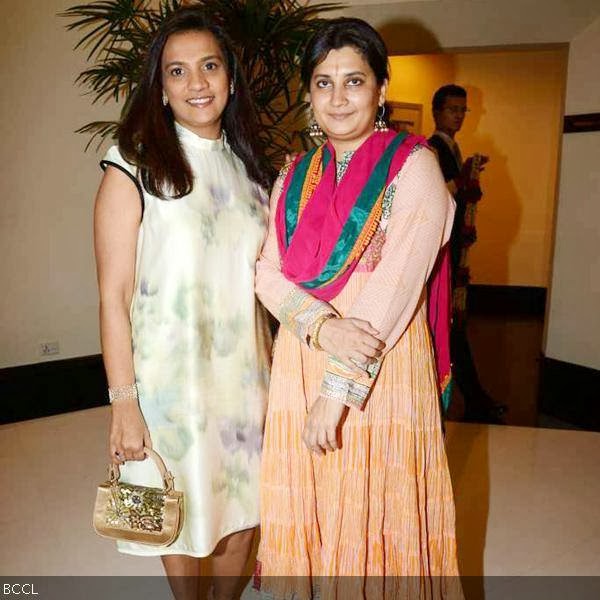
462	178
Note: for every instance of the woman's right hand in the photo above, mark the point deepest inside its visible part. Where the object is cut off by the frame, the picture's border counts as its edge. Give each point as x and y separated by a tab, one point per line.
353	341
128	432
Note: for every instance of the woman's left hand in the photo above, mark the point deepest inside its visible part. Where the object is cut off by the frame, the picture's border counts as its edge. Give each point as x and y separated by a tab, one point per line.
322	423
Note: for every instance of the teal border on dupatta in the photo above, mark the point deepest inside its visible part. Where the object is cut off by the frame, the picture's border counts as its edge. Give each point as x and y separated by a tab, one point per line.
292	199
358	216
326	158
446	396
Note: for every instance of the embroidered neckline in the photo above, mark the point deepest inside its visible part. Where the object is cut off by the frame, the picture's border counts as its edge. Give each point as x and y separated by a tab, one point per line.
341	165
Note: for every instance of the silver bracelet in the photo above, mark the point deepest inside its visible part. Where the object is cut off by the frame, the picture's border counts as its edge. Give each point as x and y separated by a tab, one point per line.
124	392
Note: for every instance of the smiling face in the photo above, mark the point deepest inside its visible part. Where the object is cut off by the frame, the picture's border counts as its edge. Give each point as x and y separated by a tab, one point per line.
345	97
196	81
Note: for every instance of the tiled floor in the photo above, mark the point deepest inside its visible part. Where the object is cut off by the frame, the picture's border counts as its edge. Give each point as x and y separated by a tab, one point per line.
526	498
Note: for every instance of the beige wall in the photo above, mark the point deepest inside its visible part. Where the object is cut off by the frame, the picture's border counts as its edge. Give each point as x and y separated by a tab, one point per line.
573	324
47	188
515	101
48	183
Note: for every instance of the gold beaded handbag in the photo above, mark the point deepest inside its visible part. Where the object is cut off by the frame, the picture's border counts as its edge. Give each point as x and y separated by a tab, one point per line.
135	513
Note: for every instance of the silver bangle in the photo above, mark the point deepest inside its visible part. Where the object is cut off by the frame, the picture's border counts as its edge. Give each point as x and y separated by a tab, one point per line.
124	392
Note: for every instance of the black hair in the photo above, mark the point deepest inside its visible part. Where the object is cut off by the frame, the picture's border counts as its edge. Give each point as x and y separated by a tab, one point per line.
445	92
342	32
147	136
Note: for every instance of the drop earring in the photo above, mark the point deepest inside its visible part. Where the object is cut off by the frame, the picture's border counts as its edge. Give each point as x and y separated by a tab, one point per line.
314	129
380	124
165	98
231	88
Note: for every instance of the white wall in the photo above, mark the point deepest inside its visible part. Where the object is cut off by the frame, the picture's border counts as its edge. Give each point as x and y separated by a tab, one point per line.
47	188
412	27
573	325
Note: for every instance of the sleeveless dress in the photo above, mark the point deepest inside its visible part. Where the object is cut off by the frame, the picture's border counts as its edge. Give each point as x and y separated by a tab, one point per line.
201	343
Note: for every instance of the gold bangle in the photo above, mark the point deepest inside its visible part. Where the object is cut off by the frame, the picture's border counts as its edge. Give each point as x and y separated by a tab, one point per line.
124	392
317	329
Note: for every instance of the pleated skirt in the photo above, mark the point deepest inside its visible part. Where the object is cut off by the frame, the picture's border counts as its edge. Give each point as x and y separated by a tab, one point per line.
375	519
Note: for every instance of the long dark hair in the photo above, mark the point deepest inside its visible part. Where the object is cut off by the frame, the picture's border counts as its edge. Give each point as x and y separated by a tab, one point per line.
342	32
147	135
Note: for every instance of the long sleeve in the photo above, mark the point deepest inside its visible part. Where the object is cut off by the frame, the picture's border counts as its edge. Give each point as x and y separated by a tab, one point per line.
296	309
420	224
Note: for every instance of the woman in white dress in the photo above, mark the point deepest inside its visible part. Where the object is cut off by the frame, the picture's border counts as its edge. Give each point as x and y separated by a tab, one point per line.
180	218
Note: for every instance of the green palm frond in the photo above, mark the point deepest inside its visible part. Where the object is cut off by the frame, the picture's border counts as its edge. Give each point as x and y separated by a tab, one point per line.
269	36
106	22
99	130
112	78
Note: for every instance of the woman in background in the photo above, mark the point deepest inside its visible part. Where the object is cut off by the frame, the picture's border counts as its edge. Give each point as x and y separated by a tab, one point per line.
354	477
179	222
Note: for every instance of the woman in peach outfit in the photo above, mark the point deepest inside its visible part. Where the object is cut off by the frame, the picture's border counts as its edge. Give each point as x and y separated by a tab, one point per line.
354	476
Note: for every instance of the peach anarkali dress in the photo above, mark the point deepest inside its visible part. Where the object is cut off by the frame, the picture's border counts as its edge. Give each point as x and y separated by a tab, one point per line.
381	508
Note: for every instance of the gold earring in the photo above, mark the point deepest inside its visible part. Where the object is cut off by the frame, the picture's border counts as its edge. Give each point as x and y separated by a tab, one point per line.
165	98
314	129
380	124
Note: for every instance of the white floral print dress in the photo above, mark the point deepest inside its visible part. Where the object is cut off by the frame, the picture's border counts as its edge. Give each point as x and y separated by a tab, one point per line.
201	343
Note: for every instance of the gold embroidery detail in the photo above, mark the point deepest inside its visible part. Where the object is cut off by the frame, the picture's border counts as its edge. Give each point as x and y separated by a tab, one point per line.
137	508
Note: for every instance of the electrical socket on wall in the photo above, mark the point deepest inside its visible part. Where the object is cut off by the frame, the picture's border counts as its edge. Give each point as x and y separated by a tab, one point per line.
49	348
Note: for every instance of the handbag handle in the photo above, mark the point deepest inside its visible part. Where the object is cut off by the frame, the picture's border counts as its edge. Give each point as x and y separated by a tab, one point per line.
114	473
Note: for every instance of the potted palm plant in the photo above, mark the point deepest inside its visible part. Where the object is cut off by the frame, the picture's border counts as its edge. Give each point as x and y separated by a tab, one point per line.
269	36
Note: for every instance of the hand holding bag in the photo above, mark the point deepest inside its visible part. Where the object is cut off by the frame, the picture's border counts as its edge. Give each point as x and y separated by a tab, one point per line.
136	513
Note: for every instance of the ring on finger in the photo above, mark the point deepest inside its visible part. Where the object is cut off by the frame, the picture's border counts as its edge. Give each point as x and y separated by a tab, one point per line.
360	365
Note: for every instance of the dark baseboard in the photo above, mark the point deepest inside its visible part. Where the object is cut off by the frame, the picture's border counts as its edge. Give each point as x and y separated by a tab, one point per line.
51	388
570	393
506	300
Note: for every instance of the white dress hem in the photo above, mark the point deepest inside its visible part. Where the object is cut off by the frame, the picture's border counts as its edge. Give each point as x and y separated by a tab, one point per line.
171	550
